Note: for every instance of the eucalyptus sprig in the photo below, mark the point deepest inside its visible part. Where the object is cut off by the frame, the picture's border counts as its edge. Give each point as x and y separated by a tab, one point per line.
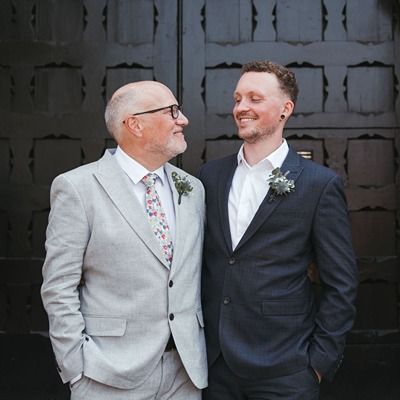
279	184
183	185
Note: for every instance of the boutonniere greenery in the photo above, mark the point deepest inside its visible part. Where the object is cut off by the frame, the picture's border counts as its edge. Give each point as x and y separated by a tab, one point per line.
183	185
279	184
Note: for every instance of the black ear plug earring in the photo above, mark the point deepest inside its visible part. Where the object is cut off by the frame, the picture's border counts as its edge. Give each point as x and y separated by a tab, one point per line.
282	116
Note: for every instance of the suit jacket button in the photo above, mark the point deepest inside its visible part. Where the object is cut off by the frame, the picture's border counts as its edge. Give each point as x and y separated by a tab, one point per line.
227	300
171	317
232	261
171	283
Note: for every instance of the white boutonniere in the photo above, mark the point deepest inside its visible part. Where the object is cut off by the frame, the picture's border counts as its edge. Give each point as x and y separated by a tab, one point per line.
279	184
183	185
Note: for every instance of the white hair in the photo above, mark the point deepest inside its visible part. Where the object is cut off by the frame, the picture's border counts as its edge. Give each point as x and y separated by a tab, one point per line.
117	108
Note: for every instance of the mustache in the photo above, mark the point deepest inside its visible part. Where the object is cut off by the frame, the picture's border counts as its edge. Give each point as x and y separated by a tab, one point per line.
243	114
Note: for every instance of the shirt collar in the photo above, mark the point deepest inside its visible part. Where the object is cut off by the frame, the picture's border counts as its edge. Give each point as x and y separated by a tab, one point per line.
275	159
135	170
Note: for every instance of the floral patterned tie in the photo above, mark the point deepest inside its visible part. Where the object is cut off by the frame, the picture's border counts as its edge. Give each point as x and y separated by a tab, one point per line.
157	218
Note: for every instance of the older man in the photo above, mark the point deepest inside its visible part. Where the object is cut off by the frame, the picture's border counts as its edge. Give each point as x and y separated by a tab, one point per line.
122	271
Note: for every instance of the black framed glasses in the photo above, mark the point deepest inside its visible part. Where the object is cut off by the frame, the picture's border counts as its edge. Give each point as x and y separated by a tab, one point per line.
174	109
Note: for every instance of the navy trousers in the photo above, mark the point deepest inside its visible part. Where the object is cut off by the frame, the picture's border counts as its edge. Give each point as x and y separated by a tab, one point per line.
223	384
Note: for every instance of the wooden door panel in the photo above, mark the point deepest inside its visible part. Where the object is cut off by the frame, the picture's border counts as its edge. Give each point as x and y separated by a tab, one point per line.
372	299
374	233
371	162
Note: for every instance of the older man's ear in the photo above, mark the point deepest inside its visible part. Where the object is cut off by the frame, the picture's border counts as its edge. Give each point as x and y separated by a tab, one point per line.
133	126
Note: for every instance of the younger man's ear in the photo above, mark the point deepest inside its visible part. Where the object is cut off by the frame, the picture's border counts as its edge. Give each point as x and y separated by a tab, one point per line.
288	108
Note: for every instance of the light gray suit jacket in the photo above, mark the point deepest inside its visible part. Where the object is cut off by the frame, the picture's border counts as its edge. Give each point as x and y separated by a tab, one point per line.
115	326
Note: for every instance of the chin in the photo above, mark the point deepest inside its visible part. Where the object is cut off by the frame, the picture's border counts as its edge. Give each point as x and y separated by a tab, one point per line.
178	150
182	149
249	137
183	146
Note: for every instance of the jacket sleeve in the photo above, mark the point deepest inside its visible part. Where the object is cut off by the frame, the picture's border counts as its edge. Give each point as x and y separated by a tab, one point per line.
334	255
66	240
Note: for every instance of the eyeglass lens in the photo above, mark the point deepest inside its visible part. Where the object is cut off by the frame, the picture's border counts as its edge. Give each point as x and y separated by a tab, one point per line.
175	111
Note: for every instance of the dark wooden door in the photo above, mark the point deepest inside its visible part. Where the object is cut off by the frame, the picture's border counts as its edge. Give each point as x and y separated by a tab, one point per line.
61	59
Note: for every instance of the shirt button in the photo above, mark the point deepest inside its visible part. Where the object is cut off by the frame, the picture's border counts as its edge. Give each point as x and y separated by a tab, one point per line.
227	300
232	261
171	283
171	317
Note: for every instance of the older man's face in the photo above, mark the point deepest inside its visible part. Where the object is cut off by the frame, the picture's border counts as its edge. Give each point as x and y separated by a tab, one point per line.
164	134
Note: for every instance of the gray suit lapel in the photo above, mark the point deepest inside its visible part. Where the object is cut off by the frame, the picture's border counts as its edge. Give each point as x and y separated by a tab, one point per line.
292	164
118	187
181	217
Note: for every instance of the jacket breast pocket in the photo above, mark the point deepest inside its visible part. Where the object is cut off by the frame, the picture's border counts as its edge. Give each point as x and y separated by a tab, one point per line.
105	326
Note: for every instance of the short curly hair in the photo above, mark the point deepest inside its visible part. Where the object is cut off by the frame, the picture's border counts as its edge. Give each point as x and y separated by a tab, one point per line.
286	78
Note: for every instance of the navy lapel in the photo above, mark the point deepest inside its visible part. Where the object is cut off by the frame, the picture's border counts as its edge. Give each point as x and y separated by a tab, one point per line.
224	185
292	164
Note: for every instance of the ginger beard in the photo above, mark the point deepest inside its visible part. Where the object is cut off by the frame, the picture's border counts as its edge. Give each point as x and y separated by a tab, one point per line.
257	134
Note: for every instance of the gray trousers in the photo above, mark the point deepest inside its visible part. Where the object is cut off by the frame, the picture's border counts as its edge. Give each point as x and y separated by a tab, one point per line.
168	381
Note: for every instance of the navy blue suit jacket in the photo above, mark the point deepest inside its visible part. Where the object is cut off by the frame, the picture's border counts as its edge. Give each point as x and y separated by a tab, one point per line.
259	304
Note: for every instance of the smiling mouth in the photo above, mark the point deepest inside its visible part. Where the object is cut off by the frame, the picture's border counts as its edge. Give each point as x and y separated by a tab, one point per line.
242	116
244	120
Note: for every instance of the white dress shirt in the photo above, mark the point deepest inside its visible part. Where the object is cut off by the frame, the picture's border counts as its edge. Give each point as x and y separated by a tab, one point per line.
249	188
136	172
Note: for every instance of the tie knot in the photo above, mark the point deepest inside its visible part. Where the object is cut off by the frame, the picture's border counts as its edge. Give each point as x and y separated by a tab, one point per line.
150	179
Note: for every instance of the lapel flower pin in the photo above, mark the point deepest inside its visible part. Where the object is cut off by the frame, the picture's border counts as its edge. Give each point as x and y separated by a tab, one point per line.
279	184
183	185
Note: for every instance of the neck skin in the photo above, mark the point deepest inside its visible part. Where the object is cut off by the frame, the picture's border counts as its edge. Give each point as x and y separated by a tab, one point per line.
255	152
150	162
